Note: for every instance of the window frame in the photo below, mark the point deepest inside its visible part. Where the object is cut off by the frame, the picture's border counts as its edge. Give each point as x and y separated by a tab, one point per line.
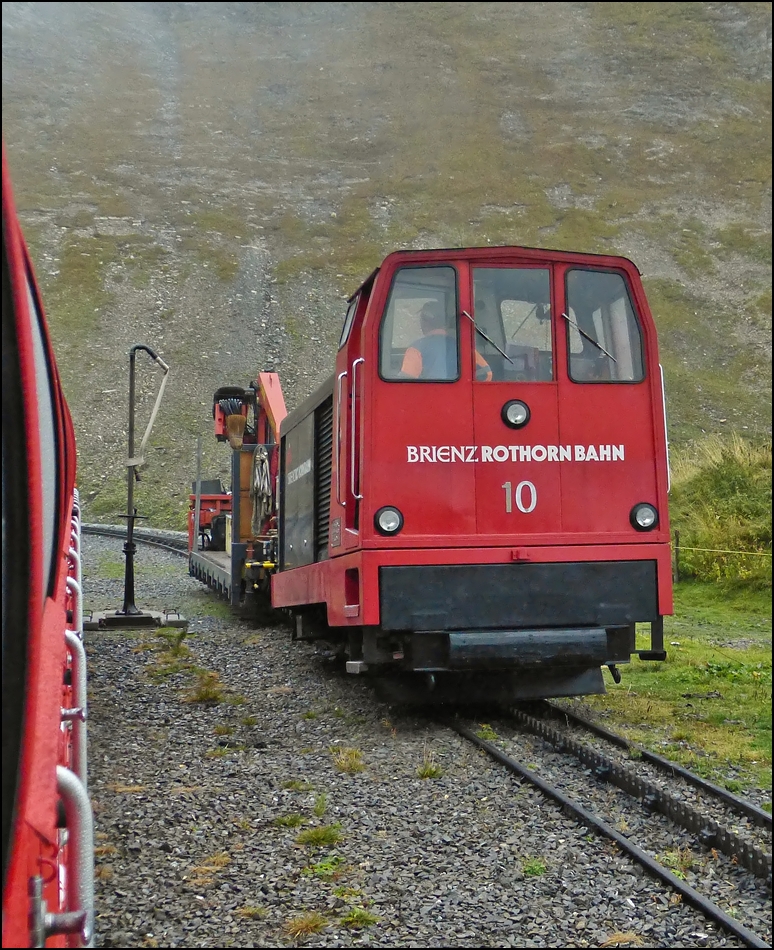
349	319
434	265
637	322
548	268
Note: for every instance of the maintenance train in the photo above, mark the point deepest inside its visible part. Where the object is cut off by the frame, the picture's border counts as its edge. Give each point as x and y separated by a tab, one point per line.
476	500
48	861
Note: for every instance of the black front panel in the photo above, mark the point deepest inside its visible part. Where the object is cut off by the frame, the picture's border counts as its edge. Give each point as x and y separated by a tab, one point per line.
519	595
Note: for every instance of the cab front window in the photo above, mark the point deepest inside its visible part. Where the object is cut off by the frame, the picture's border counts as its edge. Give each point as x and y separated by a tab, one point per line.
604	337
419	337
512	315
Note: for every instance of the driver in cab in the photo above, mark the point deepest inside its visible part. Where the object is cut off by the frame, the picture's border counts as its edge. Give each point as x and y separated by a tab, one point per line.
434	355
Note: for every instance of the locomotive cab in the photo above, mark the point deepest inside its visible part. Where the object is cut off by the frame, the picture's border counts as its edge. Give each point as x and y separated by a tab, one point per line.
481	487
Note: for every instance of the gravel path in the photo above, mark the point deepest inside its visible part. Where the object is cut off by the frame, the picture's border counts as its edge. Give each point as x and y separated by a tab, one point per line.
199	806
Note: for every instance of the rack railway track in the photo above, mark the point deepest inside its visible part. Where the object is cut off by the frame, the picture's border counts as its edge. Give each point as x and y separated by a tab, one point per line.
741	838
174	541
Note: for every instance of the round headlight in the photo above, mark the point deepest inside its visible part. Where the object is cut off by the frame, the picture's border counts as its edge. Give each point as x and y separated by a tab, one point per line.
388	520
643	517
515	413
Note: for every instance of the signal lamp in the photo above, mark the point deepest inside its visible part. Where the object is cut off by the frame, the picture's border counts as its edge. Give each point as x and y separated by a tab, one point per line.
643	517
388	520
515	413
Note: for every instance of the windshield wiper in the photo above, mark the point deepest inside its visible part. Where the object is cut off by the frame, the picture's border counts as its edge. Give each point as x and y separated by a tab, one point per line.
590	338
478	328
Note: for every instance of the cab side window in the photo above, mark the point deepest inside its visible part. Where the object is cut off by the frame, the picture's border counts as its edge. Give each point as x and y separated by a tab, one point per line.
351	309
512	315
605	341
419	336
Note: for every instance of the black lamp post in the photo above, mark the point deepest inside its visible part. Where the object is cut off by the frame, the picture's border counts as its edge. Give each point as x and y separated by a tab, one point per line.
129	608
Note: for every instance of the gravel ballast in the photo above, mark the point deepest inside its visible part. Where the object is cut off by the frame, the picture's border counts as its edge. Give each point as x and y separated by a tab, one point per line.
199	806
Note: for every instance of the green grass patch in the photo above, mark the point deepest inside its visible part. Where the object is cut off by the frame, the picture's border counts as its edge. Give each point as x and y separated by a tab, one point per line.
347	893
237	699
347	760
109	568
534	867
357	918
679	861
174	642
207	603
227	222
222	262
289	821
736	238
428	768
721	506
252	912
328	869
106	499
487	733
166	666
208	689
708	706
321	837
297	785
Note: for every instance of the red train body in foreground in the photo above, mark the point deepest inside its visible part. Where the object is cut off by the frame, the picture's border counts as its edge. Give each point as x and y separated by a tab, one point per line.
48	879
479	492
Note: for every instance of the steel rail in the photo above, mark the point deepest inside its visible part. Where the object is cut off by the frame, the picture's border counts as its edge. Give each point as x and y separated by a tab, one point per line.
654	798
142	535
756	815
652	867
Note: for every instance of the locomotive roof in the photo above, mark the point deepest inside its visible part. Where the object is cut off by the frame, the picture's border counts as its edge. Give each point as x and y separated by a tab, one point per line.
497	251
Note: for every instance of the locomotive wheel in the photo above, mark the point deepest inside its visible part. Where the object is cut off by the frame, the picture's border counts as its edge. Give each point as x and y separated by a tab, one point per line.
256	608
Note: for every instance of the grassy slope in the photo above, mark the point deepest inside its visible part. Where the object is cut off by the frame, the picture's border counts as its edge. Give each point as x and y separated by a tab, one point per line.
479	155
338	132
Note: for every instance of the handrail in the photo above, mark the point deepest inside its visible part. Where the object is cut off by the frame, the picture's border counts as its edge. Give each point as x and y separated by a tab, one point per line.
75	588
80	824
75	645
339	387
353	460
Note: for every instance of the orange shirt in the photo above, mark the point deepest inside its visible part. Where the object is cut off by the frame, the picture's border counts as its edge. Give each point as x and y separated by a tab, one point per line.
413	363
412	359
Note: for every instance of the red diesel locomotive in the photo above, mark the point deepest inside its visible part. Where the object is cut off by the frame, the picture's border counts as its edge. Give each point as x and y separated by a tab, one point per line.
48	876
478	494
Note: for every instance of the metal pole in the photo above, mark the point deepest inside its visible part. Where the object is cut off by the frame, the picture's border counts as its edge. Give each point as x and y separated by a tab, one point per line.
197	509
130	547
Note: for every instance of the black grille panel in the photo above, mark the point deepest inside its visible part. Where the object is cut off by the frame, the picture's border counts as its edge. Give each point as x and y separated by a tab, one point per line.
323	427
517	596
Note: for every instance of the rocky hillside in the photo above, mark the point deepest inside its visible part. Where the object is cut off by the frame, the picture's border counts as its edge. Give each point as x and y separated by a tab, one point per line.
213	179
